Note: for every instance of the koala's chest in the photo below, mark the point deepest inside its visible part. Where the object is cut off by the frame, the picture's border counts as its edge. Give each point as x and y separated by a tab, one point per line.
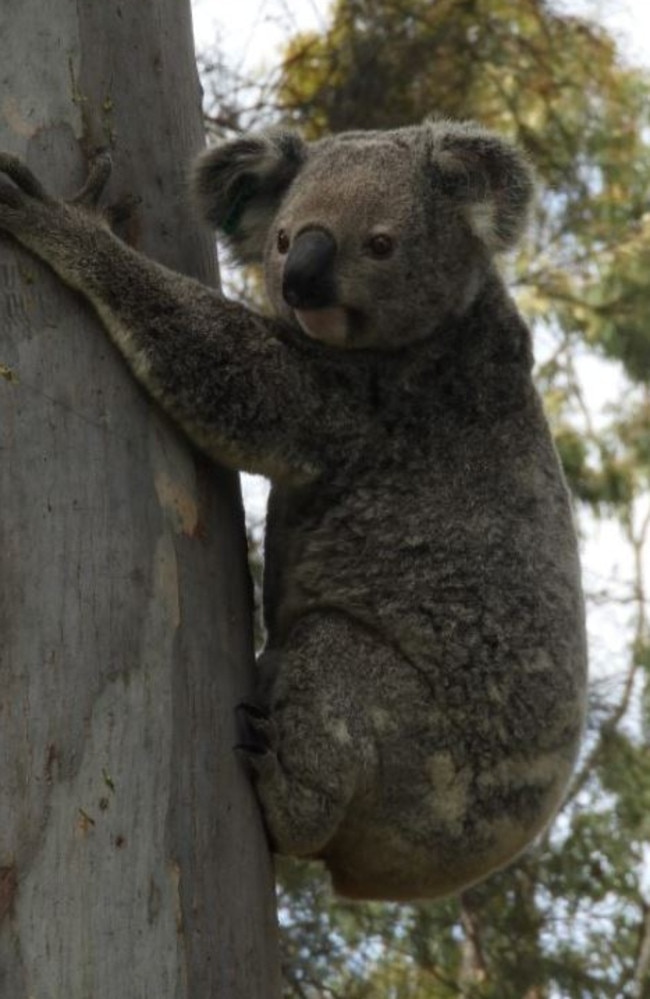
383	541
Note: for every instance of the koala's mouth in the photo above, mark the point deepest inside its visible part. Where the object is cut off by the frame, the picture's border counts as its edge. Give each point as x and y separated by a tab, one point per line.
331	325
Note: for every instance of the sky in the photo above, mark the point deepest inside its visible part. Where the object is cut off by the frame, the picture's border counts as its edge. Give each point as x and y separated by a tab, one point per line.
253	30
629	20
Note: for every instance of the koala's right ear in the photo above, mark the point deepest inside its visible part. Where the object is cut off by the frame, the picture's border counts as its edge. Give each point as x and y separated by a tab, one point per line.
238	186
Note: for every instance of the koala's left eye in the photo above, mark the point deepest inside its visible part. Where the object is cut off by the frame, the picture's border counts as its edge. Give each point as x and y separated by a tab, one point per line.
283	241
381	245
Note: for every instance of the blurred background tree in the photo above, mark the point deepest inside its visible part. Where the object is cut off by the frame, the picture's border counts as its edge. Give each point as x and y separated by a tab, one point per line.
572	918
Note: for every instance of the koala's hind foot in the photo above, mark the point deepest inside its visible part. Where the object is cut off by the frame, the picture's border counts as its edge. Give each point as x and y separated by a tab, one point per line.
260	735
309	754
300	819
302	808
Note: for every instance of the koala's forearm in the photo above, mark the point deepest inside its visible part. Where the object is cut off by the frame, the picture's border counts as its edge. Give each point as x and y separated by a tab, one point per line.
214	366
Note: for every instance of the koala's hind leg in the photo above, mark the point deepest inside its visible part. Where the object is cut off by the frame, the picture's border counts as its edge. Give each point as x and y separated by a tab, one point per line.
314	755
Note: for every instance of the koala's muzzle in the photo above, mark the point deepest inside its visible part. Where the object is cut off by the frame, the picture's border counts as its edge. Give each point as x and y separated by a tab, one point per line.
308	280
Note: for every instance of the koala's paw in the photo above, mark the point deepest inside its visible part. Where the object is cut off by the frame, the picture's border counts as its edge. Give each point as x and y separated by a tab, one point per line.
17	197
259	749
24	202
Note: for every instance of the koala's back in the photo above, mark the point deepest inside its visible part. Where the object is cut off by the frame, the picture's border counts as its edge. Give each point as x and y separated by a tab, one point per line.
442	543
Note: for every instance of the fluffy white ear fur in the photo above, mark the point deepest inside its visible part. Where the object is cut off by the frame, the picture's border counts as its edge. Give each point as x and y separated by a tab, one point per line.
237	187
490	179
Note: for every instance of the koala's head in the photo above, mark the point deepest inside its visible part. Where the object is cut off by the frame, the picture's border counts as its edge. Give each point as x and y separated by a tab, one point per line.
368	239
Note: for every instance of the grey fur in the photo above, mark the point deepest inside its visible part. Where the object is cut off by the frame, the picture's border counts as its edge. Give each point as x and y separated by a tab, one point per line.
422	691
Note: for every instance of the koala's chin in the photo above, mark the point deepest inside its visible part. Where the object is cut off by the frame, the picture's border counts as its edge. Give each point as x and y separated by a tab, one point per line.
330	326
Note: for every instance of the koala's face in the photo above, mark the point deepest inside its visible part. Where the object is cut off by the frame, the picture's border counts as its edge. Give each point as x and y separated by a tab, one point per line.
362	252
368	239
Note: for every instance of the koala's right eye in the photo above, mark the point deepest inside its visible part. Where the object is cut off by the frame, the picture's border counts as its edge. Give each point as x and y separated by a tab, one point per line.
283	241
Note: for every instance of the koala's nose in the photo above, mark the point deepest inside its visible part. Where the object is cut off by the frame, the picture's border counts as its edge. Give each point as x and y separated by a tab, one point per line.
308	281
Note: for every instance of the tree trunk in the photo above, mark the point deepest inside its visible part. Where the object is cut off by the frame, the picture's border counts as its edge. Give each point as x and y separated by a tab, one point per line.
132	858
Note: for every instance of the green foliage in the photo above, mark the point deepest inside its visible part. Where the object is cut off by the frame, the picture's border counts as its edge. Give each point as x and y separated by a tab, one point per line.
618	303
605	481
362	951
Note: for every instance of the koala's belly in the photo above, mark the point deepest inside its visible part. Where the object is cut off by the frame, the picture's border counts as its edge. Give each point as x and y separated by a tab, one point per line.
443	588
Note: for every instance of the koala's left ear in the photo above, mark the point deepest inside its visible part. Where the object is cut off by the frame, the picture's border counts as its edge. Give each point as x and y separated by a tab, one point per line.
488	178
238	187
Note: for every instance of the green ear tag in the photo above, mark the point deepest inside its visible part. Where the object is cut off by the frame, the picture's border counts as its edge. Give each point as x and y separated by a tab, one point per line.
246	190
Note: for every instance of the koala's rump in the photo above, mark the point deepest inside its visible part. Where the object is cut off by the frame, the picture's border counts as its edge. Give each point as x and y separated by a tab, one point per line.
442	795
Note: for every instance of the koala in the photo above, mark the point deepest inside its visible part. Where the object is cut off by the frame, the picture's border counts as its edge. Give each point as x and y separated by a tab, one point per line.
422	690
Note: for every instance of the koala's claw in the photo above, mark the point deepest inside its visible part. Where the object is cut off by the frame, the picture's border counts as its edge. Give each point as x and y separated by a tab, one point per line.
251	710
259	726
22	177
10	196
100	170
263	762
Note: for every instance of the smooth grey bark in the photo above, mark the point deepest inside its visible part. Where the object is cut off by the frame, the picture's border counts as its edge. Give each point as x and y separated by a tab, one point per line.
132	859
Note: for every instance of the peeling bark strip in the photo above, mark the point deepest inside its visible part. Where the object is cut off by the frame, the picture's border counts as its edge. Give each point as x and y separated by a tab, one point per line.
132	858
